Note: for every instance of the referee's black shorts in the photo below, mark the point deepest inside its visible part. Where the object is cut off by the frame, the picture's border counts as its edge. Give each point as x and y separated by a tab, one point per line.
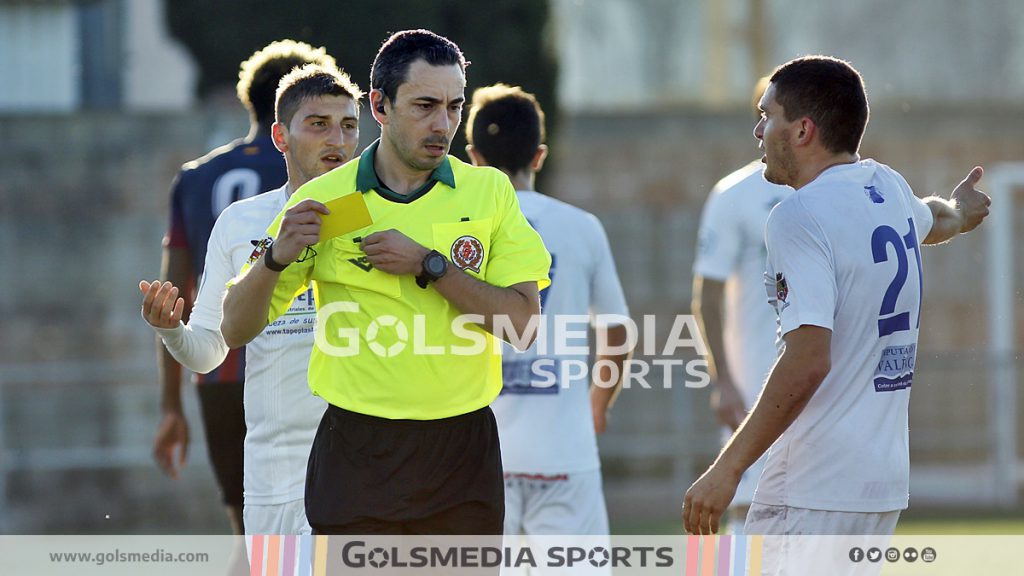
370	475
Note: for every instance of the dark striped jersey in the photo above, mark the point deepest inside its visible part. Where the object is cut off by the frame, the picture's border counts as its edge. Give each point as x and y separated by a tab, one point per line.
202	190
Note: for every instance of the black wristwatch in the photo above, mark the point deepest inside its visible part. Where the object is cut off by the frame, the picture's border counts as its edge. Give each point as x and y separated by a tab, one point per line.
435	265
268	260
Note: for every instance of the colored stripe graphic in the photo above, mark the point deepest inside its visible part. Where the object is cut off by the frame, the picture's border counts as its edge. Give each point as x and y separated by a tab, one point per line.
256	560
692	554
707	565
756	547
273	555
289	556
741	555
320	555
724	555
305	555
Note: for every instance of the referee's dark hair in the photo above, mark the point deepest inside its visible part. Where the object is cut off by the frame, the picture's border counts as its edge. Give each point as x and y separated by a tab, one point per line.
259	76
830	92
391	65
506	125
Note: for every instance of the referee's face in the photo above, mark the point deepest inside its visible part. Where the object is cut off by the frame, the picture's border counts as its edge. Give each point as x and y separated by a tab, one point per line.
426	114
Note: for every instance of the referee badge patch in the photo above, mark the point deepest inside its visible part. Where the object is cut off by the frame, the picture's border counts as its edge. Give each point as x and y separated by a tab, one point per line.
260	247
467	253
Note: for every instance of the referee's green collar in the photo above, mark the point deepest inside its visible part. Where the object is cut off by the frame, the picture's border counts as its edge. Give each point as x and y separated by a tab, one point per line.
366	175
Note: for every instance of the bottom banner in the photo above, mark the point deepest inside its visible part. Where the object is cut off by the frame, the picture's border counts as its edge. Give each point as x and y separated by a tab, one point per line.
273	555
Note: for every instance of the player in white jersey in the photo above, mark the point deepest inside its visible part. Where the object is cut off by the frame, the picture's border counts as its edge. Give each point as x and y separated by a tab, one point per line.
548	412
845	266
728	301
317	129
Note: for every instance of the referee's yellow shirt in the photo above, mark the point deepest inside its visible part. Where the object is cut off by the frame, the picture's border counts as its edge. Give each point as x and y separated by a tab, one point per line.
386	347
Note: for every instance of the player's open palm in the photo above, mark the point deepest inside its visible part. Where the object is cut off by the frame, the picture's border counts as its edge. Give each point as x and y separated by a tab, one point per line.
706	501
972	203
161	305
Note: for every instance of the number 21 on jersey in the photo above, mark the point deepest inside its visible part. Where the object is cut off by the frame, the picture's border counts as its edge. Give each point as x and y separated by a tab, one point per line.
889	320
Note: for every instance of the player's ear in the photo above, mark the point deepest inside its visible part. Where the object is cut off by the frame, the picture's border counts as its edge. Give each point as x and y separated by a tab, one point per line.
805	130
277	134
475	156
538	158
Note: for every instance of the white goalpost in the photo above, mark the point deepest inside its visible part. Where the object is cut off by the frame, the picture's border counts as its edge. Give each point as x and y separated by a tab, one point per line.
1005	181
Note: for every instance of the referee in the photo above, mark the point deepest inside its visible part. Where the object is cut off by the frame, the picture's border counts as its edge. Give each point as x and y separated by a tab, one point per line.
408	444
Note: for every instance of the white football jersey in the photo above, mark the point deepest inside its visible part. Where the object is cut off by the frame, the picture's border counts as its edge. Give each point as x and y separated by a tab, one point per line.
844	254
545	421
731	249
281	414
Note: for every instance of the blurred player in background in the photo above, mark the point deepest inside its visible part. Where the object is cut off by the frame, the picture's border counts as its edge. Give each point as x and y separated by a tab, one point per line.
202	190
729	303
845	277
547	425
317	129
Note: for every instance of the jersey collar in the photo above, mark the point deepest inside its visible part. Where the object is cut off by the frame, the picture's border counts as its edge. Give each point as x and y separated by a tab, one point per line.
366	177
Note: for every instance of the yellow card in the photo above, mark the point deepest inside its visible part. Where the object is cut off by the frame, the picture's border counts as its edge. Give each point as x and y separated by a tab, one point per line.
348	213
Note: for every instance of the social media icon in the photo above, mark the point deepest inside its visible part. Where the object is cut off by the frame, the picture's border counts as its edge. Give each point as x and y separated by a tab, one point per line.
892	554
856	554
928	554
874	555
910	555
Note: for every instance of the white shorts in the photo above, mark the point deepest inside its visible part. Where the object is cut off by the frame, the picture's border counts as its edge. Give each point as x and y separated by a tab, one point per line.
540	505
555	504
799	541
287	518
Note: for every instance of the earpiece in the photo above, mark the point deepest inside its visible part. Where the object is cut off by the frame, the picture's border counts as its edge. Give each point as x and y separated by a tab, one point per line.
380	108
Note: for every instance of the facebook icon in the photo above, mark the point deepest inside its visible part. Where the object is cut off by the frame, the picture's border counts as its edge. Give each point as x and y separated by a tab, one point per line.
856	554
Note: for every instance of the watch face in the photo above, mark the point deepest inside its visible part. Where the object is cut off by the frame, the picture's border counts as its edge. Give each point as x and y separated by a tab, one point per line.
435	264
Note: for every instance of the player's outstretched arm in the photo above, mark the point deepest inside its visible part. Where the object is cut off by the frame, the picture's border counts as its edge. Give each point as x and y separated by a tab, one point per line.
966	208
247	303
196	348
395	253
170	446
794	379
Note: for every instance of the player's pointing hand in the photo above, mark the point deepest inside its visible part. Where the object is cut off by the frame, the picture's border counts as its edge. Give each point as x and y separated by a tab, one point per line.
972	203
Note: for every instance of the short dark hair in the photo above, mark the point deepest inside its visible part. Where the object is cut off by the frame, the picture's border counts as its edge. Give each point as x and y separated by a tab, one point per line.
311	81
830	92
259	76
506	124
391	65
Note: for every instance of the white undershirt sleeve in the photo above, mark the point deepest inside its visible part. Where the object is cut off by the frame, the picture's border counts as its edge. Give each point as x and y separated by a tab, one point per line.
199	345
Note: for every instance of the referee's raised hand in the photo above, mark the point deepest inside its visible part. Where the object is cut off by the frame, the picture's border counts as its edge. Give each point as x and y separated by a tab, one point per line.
299	228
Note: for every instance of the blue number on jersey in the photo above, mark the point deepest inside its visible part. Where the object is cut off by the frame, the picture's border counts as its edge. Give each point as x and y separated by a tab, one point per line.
881	238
